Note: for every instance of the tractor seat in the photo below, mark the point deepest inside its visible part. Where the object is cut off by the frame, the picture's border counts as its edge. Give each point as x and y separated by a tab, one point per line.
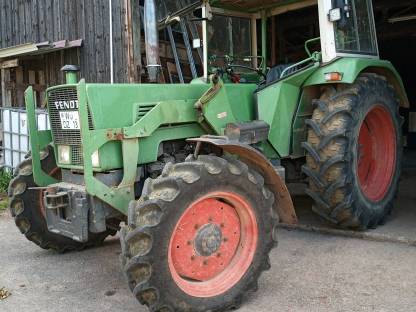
275	73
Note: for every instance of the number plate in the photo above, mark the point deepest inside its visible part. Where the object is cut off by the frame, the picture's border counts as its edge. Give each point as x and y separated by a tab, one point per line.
69	120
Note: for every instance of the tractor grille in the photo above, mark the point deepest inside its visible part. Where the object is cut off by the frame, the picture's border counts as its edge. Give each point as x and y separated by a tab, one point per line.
71	137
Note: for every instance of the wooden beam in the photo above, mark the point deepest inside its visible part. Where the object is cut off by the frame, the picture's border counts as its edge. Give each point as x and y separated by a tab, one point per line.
19	92
292	7
6	94
136	30
128	34
9	63
3	87
42	82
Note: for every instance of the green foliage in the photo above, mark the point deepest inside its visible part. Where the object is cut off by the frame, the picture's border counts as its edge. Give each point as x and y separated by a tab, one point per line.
5	178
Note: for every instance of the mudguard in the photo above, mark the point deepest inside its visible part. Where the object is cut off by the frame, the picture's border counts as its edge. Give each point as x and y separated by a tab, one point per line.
283	202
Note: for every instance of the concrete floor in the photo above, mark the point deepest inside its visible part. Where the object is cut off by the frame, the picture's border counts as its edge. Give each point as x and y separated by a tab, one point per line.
310	271
400	225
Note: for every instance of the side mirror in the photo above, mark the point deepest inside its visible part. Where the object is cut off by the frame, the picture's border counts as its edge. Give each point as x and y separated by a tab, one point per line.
197	13
340	13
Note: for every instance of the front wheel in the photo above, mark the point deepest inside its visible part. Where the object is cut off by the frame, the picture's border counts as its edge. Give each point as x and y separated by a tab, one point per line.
199	237
354	153
27	207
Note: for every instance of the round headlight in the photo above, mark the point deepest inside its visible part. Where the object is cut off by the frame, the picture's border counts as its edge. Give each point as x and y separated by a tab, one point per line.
64	154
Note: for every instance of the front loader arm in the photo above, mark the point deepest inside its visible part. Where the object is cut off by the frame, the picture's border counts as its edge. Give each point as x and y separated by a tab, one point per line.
39	140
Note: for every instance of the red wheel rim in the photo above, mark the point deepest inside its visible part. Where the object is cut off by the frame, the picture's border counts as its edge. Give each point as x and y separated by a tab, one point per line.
376	153
213	244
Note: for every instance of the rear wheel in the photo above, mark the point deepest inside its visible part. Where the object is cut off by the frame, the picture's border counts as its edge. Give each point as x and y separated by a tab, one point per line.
199	237
27	208
354	153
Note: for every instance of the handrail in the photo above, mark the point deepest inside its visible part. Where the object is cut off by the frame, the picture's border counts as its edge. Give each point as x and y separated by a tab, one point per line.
307	44
314	57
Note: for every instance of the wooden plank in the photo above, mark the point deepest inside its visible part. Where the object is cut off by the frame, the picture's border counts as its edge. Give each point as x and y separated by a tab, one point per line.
19	92
10	63
15	21
129	41
49	21
35	20
27	22
91	72
42	20
4	19
117	54
32	77
42	82
106	40
81	30
56	26
3	86
99	46
6	94
136	32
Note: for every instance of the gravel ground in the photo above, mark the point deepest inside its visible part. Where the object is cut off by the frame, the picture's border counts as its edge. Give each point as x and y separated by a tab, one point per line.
310	272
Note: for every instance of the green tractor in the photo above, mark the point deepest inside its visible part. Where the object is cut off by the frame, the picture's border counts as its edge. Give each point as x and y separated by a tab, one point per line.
193	174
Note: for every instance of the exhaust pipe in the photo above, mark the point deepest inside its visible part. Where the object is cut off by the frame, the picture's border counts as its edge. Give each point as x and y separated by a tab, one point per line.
152	40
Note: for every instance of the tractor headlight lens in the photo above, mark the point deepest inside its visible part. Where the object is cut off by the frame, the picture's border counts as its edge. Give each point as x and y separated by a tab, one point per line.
64	154
95	159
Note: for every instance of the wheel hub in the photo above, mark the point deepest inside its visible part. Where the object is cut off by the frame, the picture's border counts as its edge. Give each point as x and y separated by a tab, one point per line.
208	240
213	244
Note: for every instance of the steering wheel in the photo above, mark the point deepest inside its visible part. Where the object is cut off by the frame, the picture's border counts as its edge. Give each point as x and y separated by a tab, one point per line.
230	67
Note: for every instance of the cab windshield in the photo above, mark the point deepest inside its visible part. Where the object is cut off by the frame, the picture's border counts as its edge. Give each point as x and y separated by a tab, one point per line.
357	34
229	37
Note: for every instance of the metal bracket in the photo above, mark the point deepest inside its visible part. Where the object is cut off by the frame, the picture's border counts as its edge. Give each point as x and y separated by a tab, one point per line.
67	213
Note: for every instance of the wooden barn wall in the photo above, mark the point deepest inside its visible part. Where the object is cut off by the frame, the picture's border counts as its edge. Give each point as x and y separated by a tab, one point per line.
33	21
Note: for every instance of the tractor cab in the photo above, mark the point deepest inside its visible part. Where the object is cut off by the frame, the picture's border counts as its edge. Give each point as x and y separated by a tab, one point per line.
235	39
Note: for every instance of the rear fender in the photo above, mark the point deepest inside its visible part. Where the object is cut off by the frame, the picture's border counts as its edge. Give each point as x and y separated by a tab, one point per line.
351	68
283	202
